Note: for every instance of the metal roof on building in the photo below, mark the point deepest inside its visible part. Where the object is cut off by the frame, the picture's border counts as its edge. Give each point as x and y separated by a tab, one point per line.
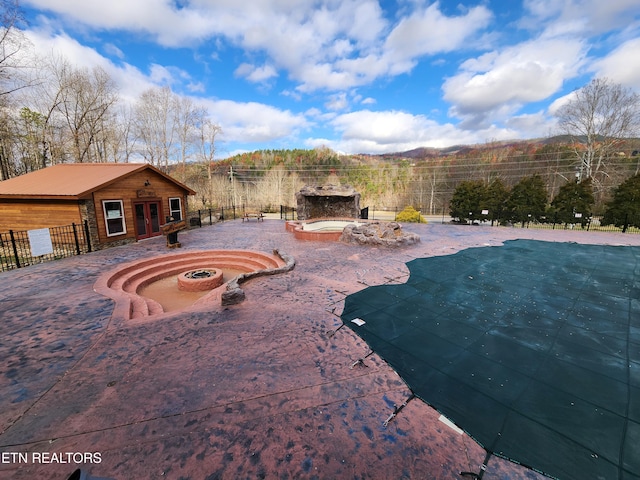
73	180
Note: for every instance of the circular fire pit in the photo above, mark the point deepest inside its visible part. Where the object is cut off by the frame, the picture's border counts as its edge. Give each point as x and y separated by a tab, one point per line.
199	280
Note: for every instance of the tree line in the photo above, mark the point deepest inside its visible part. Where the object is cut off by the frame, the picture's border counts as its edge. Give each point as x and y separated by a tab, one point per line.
76	115
271	178
528	201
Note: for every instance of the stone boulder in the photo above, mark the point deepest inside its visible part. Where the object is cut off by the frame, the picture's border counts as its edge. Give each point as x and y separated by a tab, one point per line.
387	234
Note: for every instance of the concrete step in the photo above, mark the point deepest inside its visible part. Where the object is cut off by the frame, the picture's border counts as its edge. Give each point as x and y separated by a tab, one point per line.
124	284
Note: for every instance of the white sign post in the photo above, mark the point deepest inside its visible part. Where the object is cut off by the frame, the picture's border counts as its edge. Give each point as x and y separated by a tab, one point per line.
40	242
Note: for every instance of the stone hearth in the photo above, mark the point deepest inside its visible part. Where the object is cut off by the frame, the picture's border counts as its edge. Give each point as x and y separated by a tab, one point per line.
327	201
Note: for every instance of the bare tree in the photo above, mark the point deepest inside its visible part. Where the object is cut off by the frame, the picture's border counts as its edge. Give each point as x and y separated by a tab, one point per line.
29	135
87	97
118	140
14	75
7	130
272	189
599	118
13	62
77	107
207	132
155	126
434	178
188	119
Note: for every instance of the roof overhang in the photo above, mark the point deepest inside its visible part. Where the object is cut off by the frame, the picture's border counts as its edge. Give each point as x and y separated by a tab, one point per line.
63	198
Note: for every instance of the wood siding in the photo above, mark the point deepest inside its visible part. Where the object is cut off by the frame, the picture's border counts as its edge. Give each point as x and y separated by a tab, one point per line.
131	189
31	214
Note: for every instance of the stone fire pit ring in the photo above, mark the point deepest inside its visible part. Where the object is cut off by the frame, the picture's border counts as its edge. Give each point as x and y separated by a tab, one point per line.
200	280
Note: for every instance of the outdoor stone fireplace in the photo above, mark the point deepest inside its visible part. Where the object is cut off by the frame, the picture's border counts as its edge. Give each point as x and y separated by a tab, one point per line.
327	201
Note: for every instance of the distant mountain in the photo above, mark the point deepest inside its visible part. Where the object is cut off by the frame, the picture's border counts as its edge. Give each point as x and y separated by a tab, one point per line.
428	152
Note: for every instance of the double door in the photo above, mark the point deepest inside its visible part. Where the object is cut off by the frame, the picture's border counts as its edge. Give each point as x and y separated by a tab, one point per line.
147	219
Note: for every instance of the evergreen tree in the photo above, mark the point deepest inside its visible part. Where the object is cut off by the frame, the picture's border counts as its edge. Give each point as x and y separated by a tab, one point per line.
573	203
466	203
528	200
497	195
624	209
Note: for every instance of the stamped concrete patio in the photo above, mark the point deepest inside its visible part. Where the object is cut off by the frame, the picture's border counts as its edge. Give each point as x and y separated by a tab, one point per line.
263	389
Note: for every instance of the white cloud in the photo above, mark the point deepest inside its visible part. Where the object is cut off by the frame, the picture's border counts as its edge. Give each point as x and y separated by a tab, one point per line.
328	44
46	44
196	87
501	82
323	76
338	101
560	102
247	122
367	22
131	81
533	125
111	49
169	25
256	74
366	131
622	65
385	127
160	75
593	16
428	31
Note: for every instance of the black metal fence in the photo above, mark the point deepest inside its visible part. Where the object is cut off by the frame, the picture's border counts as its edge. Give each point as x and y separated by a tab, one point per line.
23	248
209	216
592	224
288	213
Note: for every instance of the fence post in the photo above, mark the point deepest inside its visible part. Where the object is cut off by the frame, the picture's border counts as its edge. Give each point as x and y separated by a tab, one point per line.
75	237
210	218
15	248
87	235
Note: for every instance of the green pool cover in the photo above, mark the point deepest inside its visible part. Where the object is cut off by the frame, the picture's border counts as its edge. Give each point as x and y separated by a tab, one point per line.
532	348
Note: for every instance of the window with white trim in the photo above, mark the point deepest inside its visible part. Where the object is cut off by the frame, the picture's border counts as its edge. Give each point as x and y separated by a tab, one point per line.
175	208
114	217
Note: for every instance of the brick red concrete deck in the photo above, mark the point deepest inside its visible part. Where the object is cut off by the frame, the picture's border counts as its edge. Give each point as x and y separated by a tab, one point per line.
256	390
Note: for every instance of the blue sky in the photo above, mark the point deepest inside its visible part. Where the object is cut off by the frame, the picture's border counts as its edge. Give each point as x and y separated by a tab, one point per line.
357	76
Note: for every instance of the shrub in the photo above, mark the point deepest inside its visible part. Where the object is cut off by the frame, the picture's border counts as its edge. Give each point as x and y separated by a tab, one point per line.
410	214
